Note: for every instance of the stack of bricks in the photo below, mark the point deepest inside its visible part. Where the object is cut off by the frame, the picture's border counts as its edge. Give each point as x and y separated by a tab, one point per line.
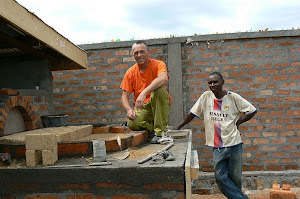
285	193
41	148
41	144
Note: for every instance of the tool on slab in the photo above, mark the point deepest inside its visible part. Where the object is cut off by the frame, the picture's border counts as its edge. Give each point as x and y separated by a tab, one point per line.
122	155
149	157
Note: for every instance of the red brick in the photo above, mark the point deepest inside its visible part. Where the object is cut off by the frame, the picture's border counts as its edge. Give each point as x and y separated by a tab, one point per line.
113	60
82	75
233	47
74	186
271	71
40	196
274	167
280	78
281	194
293	126
104	54
121	66
276	186
261	154
262	79
122	52
279	154
72	148
74	82
102	129
251	45
273	161
67	76
292	99
117	73
98	74
207	55
245	80
260	141
252	148
269	45
97	61
119	129
282	64
204	62
256	168
83	88
138	139
287	43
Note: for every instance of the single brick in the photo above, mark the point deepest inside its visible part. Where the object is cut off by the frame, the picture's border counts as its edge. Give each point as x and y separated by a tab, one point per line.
102	129
286	187
138	138
40	141
276	186
119	129
33	157
49	157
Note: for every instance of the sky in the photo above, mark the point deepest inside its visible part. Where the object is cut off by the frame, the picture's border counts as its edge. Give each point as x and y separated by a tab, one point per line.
98	21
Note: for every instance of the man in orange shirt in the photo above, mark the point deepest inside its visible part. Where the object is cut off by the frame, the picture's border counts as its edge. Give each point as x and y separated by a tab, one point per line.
146	79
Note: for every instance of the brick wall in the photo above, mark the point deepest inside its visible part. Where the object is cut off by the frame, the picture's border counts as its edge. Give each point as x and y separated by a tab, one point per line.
263	67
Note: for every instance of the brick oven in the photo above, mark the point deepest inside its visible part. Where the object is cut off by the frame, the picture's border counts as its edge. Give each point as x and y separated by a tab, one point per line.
29	51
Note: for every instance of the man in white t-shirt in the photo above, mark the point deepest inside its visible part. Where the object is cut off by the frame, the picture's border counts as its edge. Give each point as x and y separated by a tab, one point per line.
221	112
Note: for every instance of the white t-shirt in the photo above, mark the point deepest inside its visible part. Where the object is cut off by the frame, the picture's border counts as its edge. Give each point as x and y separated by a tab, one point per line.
220	117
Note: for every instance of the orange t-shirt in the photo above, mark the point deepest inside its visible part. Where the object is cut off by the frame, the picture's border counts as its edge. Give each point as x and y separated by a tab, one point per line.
135	81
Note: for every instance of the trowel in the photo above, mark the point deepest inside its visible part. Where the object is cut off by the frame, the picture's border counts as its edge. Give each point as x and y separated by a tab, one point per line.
122	155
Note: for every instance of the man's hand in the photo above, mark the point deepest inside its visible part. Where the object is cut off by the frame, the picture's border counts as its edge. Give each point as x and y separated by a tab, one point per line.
131	114
139	103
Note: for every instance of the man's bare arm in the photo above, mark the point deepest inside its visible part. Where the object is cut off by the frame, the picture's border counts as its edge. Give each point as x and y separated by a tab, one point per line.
189	117
158	82
125	103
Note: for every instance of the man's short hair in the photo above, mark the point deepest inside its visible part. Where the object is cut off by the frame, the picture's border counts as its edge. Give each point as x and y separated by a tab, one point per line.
140	42
218	74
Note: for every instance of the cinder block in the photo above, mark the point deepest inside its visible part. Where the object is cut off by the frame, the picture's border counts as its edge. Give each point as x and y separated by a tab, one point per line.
102	129
33	157
281	194
44	141
49	157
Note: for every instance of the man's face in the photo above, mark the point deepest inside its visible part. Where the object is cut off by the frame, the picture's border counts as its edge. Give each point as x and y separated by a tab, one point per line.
140	53
215	83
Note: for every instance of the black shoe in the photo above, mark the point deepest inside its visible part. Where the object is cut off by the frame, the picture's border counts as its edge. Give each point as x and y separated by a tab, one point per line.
151	135
155	139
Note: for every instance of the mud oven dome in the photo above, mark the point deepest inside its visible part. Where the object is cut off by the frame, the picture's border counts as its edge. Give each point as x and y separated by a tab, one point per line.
21	113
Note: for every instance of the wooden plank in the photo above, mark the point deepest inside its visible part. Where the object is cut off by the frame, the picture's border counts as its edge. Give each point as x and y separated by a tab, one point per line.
188	181
194	165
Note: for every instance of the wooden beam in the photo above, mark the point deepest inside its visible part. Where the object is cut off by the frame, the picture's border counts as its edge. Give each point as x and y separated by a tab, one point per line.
34	26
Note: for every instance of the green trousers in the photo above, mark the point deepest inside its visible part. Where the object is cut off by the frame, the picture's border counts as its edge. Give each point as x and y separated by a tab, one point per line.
155	115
